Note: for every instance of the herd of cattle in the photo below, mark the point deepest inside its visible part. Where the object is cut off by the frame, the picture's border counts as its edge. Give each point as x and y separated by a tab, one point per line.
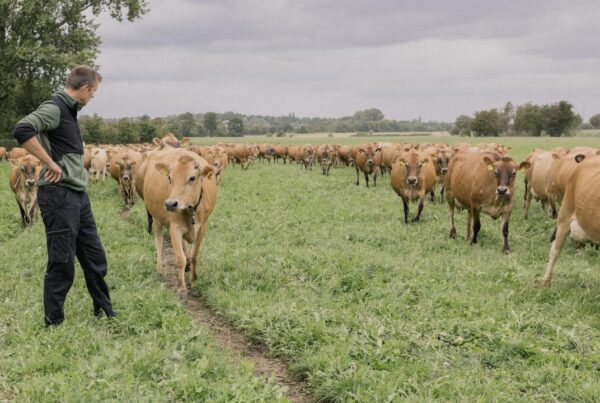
178	182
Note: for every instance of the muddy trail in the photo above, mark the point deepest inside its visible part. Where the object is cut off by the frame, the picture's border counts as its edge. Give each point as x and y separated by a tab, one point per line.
229	338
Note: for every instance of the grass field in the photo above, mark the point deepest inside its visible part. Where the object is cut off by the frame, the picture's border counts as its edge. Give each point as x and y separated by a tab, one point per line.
328	276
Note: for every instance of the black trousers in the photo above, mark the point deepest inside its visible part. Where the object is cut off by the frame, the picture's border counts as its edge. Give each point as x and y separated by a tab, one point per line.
71	232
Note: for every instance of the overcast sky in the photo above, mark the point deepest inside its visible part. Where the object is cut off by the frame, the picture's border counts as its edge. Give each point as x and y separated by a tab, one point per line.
329	58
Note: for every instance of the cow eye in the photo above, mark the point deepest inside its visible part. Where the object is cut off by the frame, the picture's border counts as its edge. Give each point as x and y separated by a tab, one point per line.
169	178
514	173
192	178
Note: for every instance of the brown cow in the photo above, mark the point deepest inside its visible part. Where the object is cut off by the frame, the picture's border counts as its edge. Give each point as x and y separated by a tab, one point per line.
171	140
578	213
412	178
365	161
241	154
325	157
565	167
23	182
180	192
98	164
17	152
280	152
346	155
478	183
122	169
543	168
3	154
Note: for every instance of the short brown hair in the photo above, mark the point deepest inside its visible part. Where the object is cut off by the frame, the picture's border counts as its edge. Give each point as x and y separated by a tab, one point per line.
83	75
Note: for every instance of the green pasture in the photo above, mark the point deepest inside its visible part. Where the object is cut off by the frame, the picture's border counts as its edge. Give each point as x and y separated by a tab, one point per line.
328	276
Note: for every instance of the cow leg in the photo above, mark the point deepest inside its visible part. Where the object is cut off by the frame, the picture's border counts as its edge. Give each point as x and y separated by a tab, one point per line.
158	243
451	215
405	204
375	174
23	215
527	203
196	249
150	222
421	202
432	195
180	260
504	226
357	175
469	223
476	225
367	178
562	231
552	207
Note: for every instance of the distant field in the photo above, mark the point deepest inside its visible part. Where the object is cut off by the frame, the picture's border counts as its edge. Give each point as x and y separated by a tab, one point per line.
328	276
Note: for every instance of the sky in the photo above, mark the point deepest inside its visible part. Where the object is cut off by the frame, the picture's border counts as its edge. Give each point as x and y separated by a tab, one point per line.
432	59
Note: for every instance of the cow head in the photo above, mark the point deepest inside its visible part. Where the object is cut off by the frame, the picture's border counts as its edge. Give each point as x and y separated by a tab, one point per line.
126	167
186	178
505	169
369	153
414	165
28	171
442	161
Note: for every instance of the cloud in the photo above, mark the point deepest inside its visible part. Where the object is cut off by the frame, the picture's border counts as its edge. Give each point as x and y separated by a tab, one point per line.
433	59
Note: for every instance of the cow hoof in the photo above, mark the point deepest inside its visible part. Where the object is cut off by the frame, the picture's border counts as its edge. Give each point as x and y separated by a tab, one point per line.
506	251
182	294
416	219
187	267
453	233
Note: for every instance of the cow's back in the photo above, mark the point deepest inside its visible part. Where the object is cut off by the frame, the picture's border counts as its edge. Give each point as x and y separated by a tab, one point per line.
584	192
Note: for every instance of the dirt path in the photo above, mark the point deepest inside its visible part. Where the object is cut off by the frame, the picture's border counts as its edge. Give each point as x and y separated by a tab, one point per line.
232	340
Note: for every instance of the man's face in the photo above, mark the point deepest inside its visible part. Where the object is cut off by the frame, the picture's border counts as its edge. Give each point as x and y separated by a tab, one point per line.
86	93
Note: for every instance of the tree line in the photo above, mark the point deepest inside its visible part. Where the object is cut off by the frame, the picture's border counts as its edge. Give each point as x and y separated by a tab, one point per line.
557	119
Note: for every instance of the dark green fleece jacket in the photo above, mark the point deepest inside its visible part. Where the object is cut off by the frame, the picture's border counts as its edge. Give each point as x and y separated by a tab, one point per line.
55	125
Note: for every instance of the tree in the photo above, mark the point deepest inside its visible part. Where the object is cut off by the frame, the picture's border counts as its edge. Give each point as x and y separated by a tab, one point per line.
559	118
369	114
41	40
187	124
91	128
146	130
235	128
595	121
210	123
487	123
462	125
528	120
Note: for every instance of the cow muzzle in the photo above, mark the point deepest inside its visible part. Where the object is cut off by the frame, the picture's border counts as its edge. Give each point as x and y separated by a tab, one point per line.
412	180
444	170
30	183
370	163
503	191
171	205
125	178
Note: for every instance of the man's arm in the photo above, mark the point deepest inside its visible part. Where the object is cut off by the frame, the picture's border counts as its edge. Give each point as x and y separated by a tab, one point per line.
53	173
46	117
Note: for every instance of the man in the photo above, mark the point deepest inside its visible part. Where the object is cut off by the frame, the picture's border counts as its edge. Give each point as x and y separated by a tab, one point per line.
52	134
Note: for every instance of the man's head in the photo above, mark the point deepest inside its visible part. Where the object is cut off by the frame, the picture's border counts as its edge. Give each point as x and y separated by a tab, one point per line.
82	83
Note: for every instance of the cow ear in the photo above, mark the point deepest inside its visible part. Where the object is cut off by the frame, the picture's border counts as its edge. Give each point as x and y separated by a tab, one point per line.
134	162
207	171
156	141
360	150
162	168
555	157
185	142
524	166
13	162
579	158
424	160
489	163
378	149
507	149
